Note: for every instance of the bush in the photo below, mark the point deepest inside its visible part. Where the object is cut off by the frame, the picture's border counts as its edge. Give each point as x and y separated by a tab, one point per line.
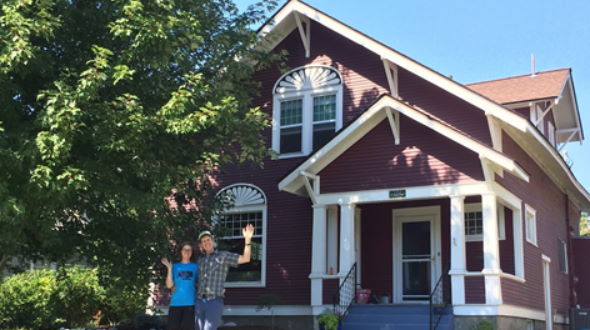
70	297
77	297
25	301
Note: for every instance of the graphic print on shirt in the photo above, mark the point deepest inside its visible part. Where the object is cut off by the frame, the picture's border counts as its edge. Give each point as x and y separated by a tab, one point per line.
185	275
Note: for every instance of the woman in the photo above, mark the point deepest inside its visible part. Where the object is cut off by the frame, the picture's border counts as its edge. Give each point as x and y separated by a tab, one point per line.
182	276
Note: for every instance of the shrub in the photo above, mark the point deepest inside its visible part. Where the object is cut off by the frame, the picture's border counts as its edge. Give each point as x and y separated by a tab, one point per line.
123	302
25	301
77	296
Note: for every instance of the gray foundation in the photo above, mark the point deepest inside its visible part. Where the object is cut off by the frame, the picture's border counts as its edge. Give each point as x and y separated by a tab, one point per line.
501	323
278	322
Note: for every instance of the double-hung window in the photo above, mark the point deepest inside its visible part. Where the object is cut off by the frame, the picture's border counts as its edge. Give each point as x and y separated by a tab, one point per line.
246	204
307	110
474	222
530	223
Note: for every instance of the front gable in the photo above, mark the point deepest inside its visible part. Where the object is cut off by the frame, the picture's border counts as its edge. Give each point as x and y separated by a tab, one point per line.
423	158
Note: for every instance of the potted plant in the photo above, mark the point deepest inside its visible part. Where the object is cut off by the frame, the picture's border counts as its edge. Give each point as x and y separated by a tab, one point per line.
329	320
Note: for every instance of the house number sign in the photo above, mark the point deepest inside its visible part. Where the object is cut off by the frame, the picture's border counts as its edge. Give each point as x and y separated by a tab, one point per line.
400	193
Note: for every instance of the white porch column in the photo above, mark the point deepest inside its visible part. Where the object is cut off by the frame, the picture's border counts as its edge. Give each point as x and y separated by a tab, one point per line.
458	269
347	253
318	254
491	249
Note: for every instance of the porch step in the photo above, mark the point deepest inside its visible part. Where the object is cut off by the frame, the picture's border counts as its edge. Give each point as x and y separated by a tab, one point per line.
390	317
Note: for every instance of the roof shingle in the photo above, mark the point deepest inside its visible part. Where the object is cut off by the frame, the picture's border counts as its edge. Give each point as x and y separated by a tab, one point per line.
543	85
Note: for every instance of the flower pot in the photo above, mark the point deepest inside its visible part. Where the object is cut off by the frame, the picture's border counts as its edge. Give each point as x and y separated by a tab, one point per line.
363	295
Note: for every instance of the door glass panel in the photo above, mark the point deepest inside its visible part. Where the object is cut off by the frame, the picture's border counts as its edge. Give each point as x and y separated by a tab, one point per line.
416	239
416	278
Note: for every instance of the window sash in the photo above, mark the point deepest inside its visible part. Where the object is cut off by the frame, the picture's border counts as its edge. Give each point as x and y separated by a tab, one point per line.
324	108
291	112
530	226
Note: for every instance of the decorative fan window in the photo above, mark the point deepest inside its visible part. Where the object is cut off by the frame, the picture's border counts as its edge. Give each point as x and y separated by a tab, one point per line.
247	205
307	110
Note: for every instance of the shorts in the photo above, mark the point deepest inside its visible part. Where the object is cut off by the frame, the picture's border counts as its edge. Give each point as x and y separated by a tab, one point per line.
181	318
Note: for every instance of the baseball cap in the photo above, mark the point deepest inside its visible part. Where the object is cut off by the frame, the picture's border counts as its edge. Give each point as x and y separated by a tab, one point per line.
204	233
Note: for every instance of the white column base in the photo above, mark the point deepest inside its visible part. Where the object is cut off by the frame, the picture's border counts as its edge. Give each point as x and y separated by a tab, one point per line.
493	290
317	290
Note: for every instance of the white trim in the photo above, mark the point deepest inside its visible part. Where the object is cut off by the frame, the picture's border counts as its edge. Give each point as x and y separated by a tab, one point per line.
304	33
547	292
458	260
427	213
518	240
249	208
421	192
495	132
371	117
318	252
530	226
505	310
394	124
306	91
357	244
347	236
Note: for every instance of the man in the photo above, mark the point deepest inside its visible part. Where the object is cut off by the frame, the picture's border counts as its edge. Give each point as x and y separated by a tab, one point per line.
214	266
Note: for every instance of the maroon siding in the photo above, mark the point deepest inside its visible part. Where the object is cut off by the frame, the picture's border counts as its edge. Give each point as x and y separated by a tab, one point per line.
460	114
377	243
422	158
475	292
550	205
581	247
330	290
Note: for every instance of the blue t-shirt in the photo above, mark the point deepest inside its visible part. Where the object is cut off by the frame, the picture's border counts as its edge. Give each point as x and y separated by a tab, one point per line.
184	276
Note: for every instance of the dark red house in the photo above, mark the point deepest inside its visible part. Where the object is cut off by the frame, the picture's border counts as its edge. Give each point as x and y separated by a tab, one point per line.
385	164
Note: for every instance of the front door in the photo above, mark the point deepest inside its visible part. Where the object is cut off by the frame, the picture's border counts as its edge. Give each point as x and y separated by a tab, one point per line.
415	256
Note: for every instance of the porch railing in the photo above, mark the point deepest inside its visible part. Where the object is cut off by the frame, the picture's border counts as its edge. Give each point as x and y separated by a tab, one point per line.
436	302
346	293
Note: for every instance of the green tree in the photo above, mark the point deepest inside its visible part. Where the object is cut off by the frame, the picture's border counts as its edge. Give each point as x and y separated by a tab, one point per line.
109	106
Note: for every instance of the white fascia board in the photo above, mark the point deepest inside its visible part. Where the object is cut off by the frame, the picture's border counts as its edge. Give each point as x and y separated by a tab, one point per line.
412	193
559	160
389	54
505	310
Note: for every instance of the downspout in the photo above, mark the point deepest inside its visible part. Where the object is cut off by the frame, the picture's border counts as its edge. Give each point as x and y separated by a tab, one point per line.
570	255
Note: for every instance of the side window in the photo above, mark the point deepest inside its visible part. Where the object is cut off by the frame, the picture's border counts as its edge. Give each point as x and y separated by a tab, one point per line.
474	222
563	266
246	205
530	222
307	110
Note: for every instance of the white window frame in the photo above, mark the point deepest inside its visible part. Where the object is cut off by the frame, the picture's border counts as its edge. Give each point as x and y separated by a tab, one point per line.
476	207
306	91
564	256
530	225
245	209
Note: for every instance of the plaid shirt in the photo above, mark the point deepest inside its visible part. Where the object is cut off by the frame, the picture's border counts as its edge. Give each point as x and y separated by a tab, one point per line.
213	270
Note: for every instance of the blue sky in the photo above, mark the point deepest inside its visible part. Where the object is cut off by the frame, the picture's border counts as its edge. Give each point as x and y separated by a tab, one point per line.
483	40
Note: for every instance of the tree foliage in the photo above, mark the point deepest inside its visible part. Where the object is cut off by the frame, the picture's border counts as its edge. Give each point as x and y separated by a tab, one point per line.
106	107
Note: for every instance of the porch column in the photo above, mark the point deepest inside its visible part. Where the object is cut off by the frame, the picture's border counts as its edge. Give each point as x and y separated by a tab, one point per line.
318	254
491	249
457	270
347	253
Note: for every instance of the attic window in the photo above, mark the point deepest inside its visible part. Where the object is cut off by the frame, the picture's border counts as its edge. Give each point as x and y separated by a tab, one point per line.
307	110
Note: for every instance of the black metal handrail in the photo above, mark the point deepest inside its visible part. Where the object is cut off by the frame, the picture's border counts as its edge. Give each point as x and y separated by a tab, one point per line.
346	293
437	292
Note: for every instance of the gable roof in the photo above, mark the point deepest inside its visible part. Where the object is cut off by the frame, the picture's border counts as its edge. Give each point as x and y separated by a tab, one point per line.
284	21
376	113
281	24
542	85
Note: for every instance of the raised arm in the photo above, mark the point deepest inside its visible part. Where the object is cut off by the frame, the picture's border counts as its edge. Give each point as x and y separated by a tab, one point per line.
169	281
247	232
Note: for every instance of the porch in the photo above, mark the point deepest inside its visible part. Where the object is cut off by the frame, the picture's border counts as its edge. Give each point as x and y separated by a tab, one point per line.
404	240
